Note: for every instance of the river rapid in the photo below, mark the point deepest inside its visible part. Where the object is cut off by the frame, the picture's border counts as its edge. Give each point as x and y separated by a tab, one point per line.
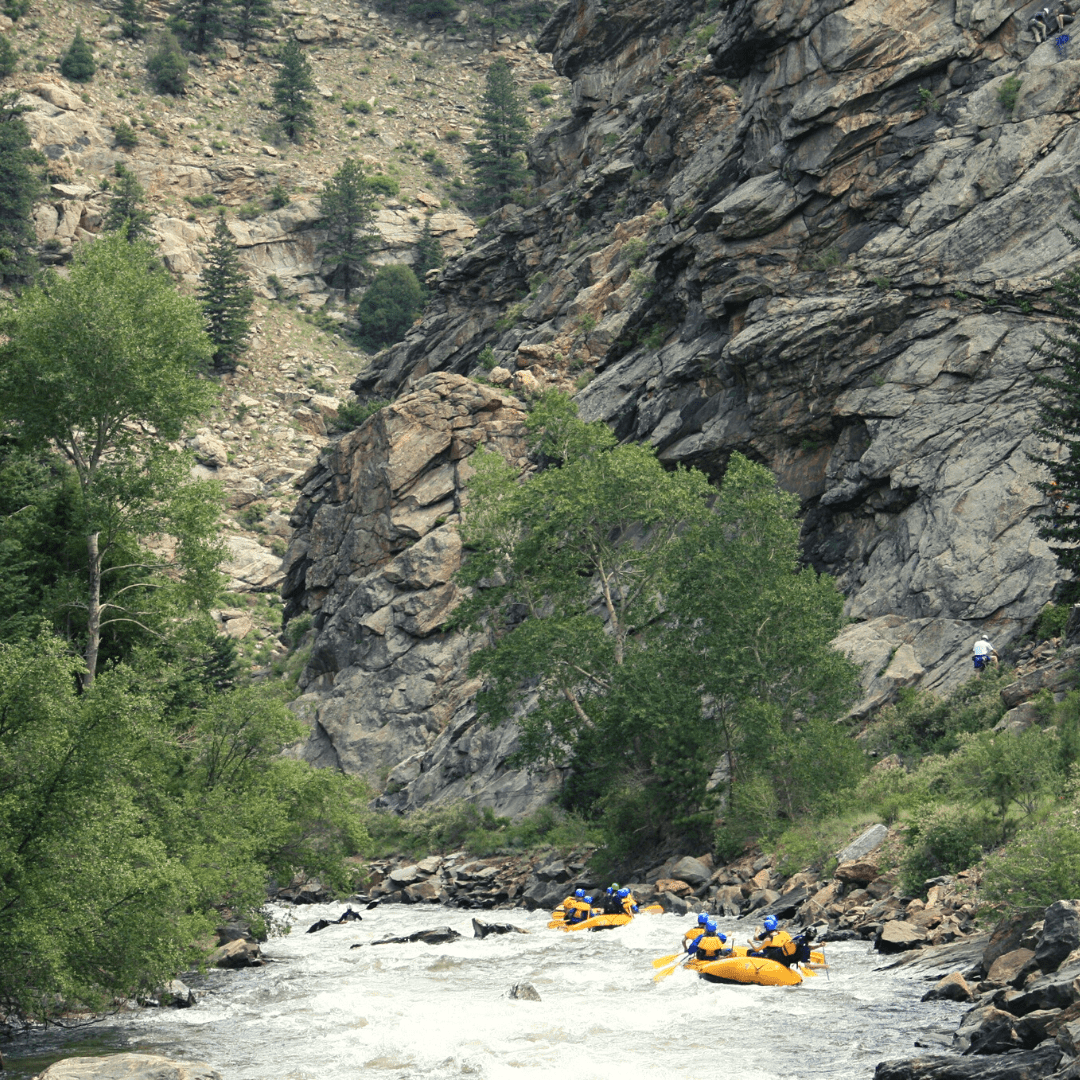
322	1011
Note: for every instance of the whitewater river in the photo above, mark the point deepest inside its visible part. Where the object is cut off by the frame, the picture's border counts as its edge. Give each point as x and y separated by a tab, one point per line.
322	1011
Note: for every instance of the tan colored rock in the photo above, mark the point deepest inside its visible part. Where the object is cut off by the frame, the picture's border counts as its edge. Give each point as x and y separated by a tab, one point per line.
128	1067
860	871
236	954
59	96
1008	966
672	885
953	987
899	935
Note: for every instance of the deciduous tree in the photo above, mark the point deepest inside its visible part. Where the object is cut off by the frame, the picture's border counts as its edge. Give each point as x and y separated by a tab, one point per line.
388	308
106	366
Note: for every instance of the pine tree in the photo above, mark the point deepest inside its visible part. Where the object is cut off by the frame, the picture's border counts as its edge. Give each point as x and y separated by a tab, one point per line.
429	253
1059	421
126	213
496	158
201	21
251	15
168	66
132	13
9	58
348	206
20	185
290	88
77	64
226	298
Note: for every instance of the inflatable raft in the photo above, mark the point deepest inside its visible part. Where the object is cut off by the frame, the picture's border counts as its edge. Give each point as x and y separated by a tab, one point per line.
601	922
747	969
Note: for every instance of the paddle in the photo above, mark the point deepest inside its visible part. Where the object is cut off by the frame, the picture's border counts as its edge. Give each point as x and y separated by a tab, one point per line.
662	960
664	974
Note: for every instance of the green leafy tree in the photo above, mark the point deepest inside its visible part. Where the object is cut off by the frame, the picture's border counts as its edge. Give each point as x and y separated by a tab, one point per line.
16	9
348	208
9	57
106	366
291	89
201	21
496	157
77	63
126	214
20	185
168	66
250	16
132	13
390	305
610	594
226	297
429	253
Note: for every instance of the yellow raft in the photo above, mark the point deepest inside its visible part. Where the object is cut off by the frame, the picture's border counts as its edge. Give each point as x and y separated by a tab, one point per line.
602	922
747	969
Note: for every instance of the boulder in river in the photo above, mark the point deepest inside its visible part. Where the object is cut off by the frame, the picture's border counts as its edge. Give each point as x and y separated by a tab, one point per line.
128	1067
953	987
483	929
1028	1065
438	935
898	935
523	992
237	954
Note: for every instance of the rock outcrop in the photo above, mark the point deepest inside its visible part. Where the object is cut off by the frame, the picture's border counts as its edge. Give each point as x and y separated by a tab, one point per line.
128	1067
824	242
387	693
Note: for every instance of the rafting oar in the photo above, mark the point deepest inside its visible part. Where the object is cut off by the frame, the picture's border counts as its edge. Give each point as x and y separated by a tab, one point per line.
665	973
661	961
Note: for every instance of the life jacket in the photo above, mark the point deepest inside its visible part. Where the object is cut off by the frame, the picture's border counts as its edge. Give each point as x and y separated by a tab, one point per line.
579	911
568	904
710	948
781	946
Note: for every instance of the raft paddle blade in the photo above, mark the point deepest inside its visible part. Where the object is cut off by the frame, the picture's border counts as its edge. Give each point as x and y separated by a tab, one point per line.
664	960
664	974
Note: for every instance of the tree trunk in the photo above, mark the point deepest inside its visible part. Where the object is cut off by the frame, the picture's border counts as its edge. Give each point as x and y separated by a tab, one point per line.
93	618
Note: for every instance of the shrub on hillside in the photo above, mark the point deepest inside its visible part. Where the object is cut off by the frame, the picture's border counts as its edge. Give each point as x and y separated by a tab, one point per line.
9	57
77	64
389	306
168	66
943	840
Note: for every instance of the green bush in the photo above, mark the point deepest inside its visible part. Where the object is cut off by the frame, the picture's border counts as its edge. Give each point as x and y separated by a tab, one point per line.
539	91
383	185
125	136
943	840
9	57
77	64
633	251
168	67
202	202
279	197
1051	621
297	628
391	303
487	358
1008	92
351	414
249	211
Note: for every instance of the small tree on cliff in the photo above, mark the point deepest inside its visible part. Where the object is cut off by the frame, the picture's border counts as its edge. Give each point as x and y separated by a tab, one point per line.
291	89
78	63
496	156
106	366
348	206
126	214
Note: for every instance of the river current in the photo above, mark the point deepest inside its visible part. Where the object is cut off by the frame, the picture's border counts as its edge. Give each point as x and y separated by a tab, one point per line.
322	1011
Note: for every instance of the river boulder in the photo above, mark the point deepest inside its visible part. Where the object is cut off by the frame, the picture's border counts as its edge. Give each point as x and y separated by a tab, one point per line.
1060	935
128	1067
483	929
439	935
898	935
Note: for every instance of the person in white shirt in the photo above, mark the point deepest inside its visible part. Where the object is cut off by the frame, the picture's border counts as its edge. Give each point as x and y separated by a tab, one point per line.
983	654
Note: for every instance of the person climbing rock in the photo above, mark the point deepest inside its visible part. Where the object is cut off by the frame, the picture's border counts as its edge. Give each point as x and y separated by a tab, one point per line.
983	654
711	945
1039	24
1066	14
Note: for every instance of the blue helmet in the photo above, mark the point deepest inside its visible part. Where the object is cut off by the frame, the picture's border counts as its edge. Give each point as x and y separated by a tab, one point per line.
579	893
702	919
770	923
723	938
624	893
588	899
608	891
710	926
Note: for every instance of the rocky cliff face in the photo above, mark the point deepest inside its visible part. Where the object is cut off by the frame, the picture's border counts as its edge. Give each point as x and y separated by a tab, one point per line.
816	235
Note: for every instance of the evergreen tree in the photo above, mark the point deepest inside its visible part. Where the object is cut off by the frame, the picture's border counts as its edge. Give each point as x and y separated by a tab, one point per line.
168	66
77	64
348	206
226	298
126	213
20	184
496	158
251	15
201	21
9	58
429	254
290	90
1059	422
390	305
132	13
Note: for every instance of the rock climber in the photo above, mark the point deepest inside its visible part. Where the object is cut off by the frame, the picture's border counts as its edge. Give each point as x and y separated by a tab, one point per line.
1039	24
1065	15
983	654
711	944
776	944
695	933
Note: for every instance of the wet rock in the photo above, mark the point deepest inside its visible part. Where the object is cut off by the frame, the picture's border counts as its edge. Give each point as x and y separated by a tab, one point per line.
483	929
178	994
1031	1065
899	935
953	987
128	1067
784	906
1060	935
1007	937
315	927
439	935
236	954
523	992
